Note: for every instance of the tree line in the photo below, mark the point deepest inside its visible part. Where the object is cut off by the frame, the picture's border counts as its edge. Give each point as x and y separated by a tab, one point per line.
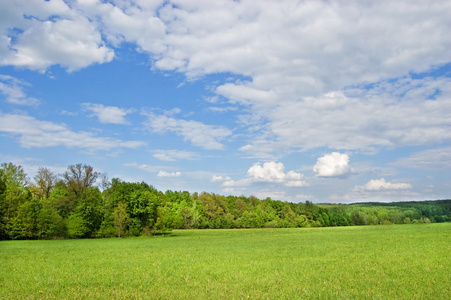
82	203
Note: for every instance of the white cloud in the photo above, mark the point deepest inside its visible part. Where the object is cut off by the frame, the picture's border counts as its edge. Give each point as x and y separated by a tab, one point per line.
12	89
169	174
239	183
35	133
222	109
295	47
108	114
218	178
379	190
174	155
389	114
130	21
173	111
49	33
431	159
307	74
274	172
199	134
381	184
245	93
299	60
295	183
302	56
333	165
269	172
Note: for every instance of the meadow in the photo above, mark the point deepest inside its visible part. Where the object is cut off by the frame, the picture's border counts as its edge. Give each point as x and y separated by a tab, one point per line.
358	262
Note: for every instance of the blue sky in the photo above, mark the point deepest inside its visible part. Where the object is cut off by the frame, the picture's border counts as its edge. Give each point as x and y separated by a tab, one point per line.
295	100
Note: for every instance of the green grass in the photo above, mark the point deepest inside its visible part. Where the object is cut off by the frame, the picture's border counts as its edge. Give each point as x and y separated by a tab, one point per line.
367	262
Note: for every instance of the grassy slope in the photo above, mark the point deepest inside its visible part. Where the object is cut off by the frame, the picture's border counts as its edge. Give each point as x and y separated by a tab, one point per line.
388	262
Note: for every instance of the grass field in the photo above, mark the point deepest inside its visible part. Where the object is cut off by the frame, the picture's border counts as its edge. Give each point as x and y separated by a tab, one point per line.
367	262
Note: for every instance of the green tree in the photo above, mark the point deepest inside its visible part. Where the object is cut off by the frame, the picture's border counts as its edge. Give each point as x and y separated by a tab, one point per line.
24	224
121	219
14	175
214	207
63	203
261	217
49	223
143	205
241	207
165	220
14	193
3	234
79	177
77	227
245	221
86	218
45	181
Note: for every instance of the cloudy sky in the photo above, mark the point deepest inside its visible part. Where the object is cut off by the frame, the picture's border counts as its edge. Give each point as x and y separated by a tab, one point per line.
327	101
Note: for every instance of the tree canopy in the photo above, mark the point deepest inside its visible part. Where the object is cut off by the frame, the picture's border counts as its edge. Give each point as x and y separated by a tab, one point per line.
71	205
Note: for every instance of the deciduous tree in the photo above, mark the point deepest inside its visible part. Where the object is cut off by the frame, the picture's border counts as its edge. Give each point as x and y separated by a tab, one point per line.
121	219
45	181
79	177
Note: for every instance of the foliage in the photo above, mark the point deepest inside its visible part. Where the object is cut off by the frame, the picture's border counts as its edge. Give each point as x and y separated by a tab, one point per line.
121	219
71	206
45	181
79	177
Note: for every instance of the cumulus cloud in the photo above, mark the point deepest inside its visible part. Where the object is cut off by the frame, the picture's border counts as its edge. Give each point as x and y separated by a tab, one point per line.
403	112
199	134
279	43
274	172
333	165
107	114
33	37
293	47
174	155
12	89
379	190
289	48
245	93
300	69
269	172
129	21
381	184
218	178
302	57
169	174
40	134
307	66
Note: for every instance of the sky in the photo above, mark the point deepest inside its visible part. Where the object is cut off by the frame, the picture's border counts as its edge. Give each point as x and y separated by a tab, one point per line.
326	101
